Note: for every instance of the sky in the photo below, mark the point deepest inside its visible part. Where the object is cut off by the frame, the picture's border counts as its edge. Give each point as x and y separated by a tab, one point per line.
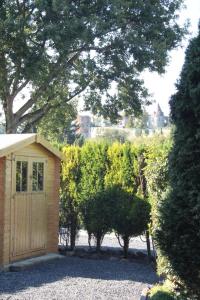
162	87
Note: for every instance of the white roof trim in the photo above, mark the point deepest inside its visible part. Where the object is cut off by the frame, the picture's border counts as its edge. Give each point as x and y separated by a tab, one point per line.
12	142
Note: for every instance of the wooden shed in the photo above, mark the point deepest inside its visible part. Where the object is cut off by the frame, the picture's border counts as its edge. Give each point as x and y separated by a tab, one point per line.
29	197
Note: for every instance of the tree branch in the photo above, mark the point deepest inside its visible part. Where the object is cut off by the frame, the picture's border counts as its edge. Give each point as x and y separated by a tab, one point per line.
77	92
18	5
35	115
34	98
24	108
28	126
16	75
74	57
56	66
39	113
95	48
16	90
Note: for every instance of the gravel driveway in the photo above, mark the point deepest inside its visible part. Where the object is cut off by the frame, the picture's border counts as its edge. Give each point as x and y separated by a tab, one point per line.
76	278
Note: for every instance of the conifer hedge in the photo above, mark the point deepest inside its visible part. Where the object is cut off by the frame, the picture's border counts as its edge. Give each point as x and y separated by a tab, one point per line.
70	178
179	234
104	186
94	205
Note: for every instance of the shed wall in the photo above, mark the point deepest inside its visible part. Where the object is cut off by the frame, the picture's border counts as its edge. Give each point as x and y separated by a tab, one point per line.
53	206
52	198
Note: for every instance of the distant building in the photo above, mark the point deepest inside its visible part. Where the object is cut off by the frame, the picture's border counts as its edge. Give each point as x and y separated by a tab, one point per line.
84	125
96	126
158	119
99	121
2	129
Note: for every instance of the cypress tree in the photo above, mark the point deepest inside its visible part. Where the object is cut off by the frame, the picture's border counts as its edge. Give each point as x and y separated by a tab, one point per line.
93	200
179	234
70	178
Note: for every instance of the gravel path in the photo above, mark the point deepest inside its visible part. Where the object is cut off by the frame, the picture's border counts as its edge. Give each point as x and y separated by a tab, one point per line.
73	278
110	241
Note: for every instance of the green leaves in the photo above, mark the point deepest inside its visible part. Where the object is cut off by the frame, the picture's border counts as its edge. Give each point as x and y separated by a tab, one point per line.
83	44
56	125
100	184
131	214
120	170
69	194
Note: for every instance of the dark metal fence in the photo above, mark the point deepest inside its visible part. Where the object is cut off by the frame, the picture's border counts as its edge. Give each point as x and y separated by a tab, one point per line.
64	236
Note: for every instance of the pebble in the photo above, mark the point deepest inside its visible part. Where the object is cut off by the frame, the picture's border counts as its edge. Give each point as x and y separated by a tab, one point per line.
73	278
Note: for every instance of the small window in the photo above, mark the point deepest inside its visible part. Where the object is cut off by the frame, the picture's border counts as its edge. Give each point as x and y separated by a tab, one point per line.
38	176
21	176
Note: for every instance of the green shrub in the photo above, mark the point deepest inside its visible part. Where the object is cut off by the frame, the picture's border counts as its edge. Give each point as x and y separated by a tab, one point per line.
157	177
103	183
120	167
131	215
97	215
161	292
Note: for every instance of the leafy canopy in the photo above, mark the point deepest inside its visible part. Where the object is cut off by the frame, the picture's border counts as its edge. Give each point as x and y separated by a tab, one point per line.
57	124
58	49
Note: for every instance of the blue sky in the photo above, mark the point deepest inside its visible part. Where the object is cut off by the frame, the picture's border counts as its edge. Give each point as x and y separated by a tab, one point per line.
162	87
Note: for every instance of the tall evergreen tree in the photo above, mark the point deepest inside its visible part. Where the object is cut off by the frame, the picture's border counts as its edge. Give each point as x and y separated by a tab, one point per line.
179	232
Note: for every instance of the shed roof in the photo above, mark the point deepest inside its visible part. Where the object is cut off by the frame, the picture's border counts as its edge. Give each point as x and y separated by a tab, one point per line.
13	142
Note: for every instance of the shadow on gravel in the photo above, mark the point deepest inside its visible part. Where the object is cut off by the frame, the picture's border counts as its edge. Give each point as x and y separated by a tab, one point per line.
70	267
114	249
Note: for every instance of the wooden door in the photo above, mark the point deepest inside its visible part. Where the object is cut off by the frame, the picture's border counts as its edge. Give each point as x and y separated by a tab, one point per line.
28	215
38	204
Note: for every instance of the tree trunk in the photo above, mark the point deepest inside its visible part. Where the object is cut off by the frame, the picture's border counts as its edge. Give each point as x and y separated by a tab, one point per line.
72	237
89	239
9	128
126	246
143	184
98	242
73	227
148	245
9	116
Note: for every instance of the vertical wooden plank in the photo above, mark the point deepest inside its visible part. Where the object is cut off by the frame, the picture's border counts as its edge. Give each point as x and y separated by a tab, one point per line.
21	223
53	203
2	199
38	211
20	216
7	209
38	221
